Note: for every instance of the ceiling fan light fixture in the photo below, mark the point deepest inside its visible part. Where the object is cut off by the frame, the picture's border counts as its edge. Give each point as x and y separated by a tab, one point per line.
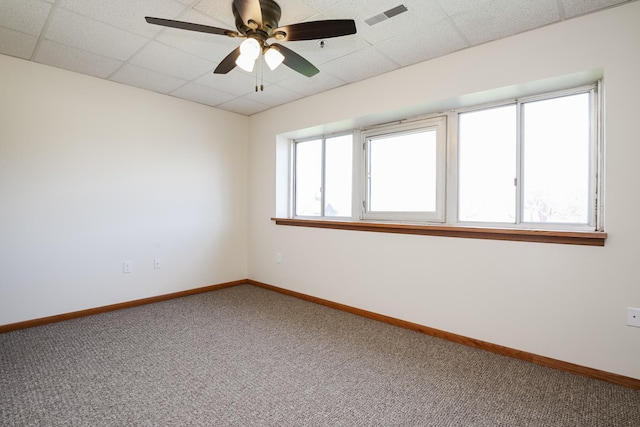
246	63
273	58
250	48
249	52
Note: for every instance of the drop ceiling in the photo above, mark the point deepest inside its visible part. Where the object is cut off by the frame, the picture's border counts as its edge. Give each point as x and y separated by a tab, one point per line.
110	39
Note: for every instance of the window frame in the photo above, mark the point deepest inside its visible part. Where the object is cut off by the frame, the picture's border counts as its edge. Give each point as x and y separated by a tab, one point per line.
596	164
293	198
436	122
592	234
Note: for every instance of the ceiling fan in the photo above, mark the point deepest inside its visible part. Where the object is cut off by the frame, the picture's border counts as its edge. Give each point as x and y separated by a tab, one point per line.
257	21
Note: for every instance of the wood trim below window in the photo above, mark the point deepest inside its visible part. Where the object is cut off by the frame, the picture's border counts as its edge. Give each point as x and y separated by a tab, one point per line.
588	238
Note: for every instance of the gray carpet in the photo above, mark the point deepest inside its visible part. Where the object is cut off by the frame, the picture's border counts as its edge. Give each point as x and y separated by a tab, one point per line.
246	356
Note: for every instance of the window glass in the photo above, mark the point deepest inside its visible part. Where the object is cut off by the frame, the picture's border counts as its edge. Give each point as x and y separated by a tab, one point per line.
487	165
308	178
338	176
535	167
556	164
402	171
323	177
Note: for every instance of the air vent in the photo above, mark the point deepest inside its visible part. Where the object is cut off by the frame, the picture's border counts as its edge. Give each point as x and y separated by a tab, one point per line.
386	15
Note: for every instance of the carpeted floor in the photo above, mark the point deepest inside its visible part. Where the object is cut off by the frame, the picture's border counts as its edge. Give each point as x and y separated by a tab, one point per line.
245	356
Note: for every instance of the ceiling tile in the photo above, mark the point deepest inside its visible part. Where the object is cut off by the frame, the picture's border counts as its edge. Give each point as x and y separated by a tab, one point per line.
435	40
17	44
125	14
80	61
236	82
273	95
358	10
243	106
456	7
360	65
334	48
146	79
279	74
502	18
27	16
208	46
219	10
202	94
295	12
111	39
322	5
420	13
309	85
83	33
578	7
171	61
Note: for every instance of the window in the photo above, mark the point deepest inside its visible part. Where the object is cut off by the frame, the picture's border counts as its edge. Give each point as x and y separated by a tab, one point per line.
530	163
323	176
487	165
405	167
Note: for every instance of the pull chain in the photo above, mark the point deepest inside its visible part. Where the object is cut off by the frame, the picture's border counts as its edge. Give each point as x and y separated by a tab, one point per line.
256	79
261	65
262	76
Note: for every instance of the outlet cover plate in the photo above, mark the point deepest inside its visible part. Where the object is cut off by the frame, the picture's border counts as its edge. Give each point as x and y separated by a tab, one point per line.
633	317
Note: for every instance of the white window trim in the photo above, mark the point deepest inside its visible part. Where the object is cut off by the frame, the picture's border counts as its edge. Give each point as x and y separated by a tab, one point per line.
596	164
438	122
292	181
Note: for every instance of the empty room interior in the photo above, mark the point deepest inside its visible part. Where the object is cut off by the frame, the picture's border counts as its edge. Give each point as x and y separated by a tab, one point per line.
131	180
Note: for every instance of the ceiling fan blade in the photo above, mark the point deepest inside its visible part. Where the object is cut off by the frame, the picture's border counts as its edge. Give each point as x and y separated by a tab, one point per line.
249	10
296	62
315	30
190	26
228	63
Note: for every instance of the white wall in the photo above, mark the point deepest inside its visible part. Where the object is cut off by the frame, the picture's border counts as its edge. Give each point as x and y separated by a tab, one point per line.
561	301
93	173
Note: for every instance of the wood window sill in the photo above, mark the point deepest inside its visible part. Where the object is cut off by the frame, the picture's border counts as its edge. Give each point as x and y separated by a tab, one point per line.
588	238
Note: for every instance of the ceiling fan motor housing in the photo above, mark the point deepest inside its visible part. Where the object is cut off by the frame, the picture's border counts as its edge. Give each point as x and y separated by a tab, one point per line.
271	13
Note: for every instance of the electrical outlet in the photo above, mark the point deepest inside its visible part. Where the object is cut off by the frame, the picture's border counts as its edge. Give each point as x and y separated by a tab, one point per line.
127	267
156	263
278	258
633	317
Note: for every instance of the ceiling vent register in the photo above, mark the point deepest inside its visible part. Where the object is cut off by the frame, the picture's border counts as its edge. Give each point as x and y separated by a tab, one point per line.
386	15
